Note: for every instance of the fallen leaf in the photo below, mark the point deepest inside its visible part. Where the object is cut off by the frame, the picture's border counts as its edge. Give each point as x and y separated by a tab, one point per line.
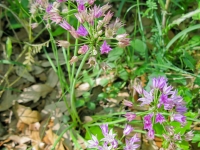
50	139
52	75
26	115
6	100
19	139
34	93
23	72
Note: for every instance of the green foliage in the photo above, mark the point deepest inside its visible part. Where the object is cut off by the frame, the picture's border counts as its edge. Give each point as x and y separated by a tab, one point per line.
8	47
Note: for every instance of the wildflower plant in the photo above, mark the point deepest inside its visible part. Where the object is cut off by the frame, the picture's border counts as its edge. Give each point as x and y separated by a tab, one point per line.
94	35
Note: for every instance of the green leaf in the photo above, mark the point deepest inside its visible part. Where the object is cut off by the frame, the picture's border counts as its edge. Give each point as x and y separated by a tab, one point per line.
94	130
189	61
197	81
115	54
196	138
86	96
101	96
80	103
8	47
58	31
123	74
104	82
139	46
121	31
91	106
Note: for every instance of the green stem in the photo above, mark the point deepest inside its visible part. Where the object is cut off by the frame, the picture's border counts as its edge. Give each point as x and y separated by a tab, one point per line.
72	94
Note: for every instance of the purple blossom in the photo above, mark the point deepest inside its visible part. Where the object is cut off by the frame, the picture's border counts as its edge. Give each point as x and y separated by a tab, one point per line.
181	109
138	88
55	17
81	1
83	49
81	7
115	144
130	144
127	103
160	118
130	116
159	83
49	8
61	1
104	129
94	143
180	118
147	98
134	139
65	25
147	122
150	134
178	100
109	137
82	31
91	2
167	89
128	129
97	11
105	48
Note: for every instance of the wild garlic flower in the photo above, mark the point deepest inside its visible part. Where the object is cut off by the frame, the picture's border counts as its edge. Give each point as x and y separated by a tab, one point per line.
110	142
96	28
161	98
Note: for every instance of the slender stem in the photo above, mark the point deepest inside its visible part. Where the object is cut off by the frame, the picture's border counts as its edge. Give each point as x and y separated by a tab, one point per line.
72	94
165	13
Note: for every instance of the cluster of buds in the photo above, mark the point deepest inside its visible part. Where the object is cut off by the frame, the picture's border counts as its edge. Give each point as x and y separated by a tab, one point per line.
171	138
96	27
110	142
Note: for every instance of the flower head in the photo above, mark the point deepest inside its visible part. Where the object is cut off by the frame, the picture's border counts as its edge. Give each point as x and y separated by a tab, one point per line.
180	118
150	134
61	1
94	143
159	83
147	97
81	7
104	129
55	17
82	31
128	129
147	122
49	8
130	144
83	49
65	25
127	103
130	116
105	48
160	118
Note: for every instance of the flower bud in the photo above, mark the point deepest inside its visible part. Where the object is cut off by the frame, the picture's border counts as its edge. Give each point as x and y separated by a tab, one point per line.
34	25
63	43
73	60
83	49
92	61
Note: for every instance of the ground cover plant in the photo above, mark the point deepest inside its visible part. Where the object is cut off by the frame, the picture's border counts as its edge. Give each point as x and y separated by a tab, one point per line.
105	75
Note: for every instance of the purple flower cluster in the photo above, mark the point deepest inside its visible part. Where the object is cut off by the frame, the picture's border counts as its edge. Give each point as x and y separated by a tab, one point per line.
110	142
161	98
97	35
